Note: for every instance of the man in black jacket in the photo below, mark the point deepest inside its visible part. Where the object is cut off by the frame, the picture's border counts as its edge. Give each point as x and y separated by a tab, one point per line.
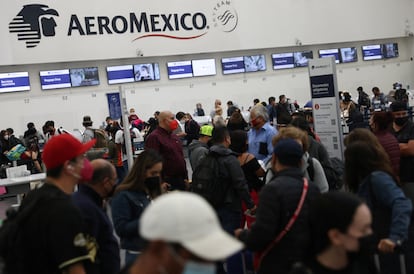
90	200
231	212
279	200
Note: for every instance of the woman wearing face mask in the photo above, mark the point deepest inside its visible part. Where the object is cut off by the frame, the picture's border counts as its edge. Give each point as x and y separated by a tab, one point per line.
341	226
368	173
132	196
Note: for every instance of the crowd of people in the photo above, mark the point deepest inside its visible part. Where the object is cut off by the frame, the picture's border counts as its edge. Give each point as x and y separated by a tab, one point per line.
260	194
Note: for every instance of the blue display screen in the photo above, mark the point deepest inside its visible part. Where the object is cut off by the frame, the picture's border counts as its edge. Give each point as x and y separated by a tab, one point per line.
323	53
120	74
233	65
180	69
282	60
54	79
372	52
14	81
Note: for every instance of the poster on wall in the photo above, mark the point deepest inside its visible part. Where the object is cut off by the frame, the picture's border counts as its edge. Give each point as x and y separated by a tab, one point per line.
326	114
114	105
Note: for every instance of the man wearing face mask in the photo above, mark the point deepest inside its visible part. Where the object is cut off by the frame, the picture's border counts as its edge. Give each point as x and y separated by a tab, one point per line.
184	237
261	133
51	236
168	145
99	184
403	129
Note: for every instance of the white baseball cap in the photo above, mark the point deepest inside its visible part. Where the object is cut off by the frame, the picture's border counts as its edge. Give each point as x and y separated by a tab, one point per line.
187	219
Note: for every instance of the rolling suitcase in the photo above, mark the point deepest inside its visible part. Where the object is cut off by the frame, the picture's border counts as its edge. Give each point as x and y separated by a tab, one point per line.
402	264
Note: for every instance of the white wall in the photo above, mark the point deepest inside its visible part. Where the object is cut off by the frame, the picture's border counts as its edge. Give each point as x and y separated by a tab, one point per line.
264	27
68	106
258	24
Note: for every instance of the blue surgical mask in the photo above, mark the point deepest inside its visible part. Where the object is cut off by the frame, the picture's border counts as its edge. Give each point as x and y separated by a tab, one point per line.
192	267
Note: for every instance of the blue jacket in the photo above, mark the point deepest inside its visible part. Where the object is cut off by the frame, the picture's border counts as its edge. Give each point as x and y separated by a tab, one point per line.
127	207
100	227
387	196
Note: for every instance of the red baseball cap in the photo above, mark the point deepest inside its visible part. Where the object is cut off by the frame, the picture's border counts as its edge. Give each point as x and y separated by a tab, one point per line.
62	148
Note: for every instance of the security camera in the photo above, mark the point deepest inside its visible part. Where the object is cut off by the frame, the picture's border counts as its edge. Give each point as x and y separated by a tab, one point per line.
140	53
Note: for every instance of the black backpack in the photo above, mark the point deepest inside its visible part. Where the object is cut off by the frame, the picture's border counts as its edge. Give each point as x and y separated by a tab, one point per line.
364	100
11	240
336	180
209	182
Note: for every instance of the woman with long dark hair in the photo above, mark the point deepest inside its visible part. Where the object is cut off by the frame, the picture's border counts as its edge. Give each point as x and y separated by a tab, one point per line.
132	196
340	224
369	174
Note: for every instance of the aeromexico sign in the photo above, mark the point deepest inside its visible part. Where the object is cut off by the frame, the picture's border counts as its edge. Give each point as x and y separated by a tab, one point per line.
35	21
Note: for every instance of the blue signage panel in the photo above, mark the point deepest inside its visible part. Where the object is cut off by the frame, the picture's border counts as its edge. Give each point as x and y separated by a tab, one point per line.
54	79
282	60
181	69
372	52
14	81
120	74
114	105
323	53
233	65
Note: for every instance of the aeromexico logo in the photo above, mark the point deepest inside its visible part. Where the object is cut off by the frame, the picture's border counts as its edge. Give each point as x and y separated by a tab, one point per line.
36	20
32	22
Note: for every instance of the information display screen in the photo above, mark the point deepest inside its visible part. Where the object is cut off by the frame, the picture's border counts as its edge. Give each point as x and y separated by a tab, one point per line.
282	60
14	81
301	58
348	55
390	50
204	67
323	53
84	77
254	63
146	72
54	79
232	65
180	69
120	74
371	52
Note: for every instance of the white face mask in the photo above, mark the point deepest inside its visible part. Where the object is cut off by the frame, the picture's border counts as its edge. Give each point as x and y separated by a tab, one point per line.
6	137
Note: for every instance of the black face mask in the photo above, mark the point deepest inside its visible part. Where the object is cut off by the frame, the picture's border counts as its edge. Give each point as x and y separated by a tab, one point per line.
111	192
366	248
153	184
401	121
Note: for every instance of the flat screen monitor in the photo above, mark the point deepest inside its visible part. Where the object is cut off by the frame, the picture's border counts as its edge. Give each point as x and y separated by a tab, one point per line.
14	81
301	58
232	65
282	60
390	50
120	74
204	67
371	52
146	72
84	77
323	53
254	63
54	79
348	55
180	69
